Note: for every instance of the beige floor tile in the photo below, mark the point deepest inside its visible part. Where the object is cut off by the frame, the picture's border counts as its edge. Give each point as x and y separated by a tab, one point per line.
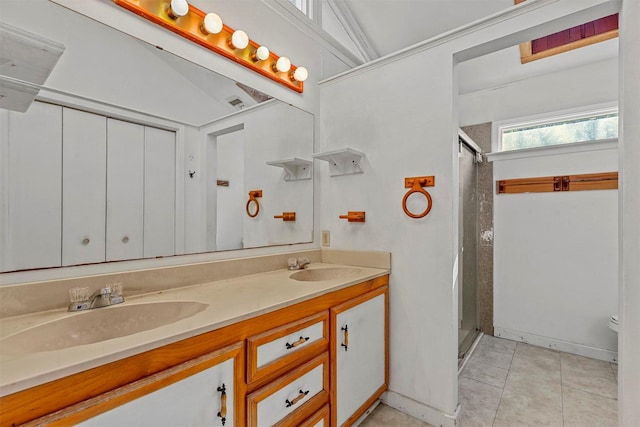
385	416
581	409
489	357
490	375
532	394
497	344
518	408
589	375
479	402
536	361
586	366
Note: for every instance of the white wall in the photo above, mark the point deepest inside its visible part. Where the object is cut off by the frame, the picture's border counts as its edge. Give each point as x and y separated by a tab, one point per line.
590	84
401	111
273	131
629	348
230	200
556	256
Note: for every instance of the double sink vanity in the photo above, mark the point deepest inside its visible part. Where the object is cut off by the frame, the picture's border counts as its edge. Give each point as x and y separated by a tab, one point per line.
224	343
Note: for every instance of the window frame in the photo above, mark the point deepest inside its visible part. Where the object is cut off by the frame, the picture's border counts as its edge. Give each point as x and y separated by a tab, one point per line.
499	127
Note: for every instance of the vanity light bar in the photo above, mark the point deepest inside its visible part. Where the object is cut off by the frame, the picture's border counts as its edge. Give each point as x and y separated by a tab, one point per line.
235	45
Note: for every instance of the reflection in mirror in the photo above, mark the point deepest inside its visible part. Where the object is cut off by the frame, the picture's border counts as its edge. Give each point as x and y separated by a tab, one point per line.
131	152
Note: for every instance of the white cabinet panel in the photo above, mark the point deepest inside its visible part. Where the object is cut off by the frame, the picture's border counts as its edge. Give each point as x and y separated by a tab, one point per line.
32	186
83	187
192	402
125	189
159	192
360	354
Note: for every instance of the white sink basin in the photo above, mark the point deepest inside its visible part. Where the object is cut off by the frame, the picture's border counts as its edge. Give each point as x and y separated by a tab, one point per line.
320	274
99	324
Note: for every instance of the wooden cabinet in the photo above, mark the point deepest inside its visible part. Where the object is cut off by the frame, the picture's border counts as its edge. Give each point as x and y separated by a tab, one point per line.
200	392
359	372
274	352
272	374
320	419
292	398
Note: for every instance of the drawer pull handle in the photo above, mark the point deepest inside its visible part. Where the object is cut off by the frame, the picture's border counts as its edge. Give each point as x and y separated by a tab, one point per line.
302	340
301	395
223	404
345	340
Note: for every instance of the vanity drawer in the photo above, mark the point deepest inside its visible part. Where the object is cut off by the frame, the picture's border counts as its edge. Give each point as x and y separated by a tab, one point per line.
290	399
274	352
319	419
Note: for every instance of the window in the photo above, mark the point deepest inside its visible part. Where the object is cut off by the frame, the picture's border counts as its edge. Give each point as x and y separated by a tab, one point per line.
572	38
568	129
303	6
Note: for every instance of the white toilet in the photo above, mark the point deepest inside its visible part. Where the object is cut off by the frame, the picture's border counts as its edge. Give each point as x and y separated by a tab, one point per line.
613	323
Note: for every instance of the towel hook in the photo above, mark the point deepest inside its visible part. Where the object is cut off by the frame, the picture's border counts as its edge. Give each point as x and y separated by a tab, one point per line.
416	185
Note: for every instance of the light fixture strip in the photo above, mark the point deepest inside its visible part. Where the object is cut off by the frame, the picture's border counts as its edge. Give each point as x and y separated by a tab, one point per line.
189	27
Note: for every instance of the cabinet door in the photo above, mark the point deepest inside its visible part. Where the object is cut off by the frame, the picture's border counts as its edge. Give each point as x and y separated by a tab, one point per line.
201	392
359	355
159	192
83	187
125	190
31	178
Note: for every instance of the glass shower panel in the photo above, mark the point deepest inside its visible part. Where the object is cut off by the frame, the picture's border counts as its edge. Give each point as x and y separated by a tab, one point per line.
467	250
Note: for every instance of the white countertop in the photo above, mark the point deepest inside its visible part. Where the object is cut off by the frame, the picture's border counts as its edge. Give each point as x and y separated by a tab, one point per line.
229	301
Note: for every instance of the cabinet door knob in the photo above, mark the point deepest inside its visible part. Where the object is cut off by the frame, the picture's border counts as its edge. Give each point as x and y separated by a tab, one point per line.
85	241
301	395
125	239
302	340
345	339
223	404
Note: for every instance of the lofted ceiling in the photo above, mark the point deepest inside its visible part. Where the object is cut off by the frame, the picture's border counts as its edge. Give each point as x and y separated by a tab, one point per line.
392	25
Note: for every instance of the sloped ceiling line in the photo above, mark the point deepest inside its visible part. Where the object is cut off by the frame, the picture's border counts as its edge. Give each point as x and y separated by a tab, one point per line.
345	16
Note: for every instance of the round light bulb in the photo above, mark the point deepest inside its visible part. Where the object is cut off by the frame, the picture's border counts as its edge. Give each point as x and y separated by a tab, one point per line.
212	24
300	74
283	64
239	39
261	53
178	8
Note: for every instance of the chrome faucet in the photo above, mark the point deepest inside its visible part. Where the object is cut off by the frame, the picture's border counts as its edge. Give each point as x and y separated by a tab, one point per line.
103	297
298	263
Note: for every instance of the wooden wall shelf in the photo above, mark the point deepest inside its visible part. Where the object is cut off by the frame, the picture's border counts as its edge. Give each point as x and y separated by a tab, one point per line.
582	182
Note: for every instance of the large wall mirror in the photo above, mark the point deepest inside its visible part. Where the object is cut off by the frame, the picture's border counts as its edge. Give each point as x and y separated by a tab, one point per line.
130	152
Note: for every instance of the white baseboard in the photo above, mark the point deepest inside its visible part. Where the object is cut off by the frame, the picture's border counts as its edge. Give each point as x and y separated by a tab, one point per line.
366	413
556	344
421	411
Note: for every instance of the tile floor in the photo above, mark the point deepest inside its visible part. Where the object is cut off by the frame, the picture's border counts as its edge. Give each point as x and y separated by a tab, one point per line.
508	384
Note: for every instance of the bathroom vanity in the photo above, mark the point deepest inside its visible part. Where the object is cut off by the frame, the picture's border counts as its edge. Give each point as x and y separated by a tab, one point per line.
275	348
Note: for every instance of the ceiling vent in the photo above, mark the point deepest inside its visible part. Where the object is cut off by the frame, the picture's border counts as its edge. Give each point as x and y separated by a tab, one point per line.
236	102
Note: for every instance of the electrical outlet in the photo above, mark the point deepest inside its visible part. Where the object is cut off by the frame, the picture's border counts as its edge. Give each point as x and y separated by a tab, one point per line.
326	238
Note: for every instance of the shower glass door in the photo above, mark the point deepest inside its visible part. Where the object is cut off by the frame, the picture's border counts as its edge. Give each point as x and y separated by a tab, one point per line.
467	249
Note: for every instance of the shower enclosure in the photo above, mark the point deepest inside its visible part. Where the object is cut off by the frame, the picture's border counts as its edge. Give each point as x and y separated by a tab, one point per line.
467	245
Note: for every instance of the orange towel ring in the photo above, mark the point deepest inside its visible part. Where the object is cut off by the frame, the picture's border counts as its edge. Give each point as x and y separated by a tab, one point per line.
253	200
416	185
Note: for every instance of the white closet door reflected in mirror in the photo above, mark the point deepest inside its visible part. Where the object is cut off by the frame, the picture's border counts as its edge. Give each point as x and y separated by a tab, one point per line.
105	190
